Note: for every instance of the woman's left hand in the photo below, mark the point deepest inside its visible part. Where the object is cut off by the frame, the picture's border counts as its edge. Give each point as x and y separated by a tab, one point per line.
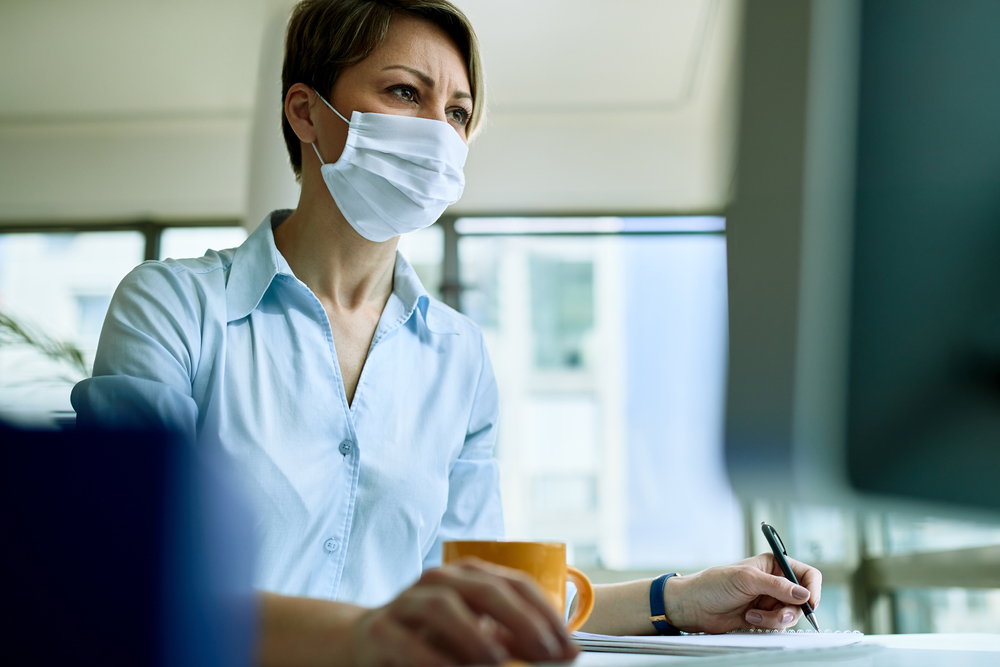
752	593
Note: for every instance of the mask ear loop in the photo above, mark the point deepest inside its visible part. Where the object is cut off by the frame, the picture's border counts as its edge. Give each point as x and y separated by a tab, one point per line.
331	108
316	150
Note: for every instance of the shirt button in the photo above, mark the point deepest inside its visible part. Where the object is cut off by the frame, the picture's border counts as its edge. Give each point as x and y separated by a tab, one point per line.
330	546
345	447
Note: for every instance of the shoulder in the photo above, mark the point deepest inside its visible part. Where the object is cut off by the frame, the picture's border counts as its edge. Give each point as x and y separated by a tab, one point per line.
164	310
212	267
173	281
180	296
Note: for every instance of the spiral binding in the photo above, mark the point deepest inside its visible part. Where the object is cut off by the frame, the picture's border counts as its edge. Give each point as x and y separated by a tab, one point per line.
790	631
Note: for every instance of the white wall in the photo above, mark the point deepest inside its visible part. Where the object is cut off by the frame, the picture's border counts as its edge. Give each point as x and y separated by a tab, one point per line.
101	170
125	108
611	107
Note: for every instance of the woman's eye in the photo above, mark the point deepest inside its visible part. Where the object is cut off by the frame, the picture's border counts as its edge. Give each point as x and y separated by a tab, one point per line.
405	93
460	116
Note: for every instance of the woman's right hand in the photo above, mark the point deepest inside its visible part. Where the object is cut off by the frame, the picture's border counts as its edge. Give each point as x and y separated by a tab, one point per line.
468	612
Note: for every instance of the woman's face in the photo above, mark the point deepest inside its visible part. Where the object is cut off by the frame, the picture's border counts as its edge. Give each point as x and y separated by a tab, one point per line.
417	70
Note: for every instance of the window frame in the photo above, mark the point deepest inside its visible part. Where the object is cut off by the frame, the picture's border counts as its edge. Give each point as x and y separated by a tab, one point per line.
451	283
151	230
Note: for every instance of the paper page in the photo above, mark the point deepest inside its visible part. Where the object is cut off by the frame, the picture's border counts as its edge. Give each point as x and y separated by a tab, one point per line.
727	643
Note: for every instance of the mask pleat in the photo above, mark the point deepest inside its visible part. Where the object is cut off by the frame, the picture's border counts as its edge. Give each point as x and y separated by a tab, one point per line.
401	175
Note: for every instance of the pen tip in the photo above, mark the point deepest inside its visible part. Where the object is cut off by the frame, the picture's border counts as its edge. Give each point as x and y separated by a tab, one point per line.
812	621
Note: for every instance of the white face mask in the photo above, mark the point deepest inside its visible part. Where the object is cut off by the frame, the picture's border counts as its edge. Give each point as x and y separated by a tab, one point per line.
397	174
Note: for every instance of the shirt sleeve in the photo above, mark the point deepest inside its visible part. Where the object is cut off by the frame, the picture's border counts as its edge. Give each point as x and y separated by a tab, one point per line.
474	511
148	350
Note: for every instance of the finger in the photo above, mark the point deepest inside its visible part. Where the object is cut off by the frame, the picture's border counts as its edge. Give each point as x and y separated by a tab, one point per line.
524	585
782	617
416	651
529	591
809	577
755	582
395	644
768	603
439	613
492	594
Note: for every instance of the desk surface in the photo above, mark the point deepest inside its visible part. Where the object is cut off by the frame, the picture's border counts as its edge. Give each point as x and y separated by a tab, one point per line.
943	650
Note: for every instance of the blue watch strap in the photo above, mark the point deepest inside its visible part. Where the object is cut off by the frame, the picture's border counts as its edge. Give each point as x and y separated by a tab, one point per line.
657	608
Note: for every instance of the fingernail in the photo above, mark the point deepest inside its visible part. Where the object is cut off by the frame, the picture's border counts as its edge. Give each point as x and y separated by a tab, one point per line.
754	617
787	617
800	593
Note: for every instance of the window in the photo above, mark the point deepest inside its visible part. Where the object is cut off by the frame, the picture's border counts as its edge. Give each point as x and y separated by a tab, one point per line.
562	312
960	610
941	609
56	287
609	350
908	534
180	242
424	250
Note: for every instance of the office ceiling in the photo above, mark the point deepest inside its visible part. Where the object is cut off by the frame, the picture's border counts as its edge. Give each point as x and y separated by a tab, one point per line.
126	109
66	59
69	59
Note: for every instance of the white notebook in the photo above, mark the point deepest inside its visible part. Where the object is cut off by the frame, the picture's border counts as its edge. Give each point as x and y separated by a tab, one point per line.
733	642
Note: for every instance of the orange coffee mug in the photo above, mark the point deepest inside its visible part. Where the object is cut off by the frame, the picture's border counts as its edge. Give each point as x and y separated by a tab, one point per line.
545	562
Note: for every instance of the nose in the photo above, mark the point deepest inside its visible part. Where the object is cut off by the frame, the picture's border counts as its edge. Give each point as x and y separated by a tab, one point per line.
435	107
434	112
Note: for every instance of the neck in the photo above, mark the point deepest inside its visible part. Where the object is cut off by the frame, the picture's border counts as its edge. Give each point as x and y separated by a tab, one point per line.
344	269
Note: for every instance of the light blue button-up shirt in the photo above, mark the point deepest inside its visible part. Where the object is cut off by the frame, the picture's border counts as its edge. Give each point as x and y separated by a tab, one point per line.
353	501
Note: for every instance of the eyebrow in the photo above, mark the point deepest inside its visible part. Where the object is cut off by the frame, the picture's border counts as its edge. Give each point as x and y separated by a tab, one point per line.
426	80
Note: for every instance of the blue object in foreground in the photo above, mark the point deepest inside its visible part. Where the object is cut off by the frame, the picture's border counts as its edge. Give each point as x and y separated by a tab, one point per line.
122	548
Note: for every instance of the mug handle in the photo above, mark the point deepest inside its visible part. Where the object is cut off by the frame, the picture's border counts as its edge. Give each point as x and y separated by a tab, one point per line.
584	599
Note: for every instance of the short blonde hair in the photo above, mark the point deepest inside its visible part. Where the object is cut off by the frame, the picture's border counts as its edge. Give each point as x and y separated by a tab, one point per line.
326	36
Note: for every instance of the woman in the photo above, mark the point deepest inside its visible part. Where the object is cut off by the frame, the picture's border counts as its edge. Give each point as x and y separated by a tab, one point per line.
361	412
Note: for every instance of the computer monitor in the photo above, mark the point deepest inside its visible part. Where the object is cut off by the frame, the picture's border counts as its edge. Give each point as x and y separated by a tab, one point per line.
864	254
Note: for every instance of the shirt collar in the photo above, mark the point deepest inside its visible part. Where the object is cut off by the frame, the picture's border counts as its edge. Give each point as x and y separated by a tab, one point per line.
258	261
255	265
408	295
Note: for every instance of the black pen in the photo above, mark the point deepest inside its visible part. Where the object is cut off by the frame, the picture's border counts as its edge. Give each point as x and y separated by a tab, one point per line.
778	547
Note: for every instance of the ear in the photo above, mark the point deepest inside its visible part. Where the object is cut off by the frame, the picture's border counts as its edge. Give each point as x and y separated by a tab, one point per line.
298	110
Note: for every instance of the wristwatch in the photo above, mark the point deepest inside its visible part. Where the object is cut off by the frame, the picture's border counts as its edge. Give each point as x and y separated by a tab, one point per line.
657	608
